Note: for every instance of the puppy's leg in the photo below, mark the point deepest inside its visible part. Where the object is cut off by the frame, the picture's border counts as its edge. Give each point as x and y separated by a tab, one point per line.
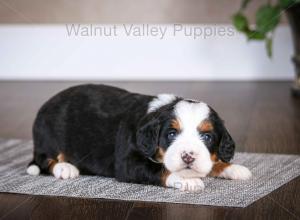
39	164
139	172
59	167
186	180
62	169
230	171
184	184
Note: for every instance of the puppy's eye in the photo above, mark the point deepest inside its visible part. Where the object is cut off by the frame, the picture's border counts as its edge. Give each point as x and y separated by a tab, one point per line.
172	135
207	137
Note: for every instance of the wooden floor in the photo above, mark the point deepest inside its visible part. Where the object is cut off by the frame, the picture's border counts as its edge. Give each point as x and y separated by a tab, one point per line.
261	116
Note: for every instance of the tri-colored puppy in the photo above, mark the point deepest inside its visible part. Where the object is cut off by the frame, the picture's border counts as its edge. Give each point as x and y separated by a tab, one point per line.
161	140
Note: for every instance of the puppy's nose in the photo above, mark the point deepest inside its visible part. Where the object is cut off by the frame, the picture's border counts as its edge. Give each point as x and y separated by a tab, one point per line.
187	157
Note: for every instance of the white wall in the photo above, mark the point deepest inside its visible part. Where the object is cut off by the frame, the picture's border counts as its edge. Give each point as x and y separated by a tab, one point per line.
46	52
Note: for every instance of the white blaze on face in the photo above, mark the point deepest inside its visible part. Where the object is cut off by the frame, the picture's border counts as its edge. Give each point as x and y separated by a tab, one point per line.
189	116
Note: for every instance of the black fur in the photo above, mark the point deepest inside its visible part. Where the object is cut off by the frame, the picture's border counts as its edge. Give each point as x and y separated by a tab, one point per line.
224	145
96	127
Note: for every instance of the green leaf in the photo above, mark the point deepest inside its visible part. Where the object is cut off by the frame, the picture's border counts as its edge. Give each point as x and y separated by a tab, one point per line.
244	4
240	22
255	35
287	3
267	18
269	43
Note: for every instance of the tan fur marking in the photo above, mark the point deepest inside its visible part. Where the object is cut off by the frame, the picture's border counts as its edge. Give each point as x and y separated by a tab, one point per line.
205	126
218	168
164	175
175	124
61	157
51	164
214	158
159	155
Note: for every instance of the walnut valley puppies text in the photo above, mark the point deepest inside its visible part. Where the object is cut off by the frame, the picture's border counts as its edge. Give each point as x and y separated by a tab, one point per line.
148	31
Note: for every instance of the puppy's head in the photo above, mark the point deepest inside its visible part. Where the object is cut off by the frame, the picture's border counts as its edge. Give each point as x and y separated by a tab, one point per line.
184	134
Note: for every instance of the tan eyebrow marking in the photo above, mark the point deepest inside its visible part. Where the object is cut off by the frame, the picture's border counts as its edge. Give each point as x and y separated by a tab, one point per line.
175	124
205	126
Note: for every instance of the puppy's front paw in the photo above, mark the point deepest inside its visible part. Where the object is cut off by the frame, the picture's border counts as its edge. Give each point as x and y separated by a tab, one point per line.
190	185
236	172
184	184
65	170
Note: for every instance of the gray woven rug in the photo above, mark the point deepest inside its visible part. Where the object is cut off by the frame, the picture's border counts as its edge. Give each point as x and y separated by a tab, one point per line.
270	171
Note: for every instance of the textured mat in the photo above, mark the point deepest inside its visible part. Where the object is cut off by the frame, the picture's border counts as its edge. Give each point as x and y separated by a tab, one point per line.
270	171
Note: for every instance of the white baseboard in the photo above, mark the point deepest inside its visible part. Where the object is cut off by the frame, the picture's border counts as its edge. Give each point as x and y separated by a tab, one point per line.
46	52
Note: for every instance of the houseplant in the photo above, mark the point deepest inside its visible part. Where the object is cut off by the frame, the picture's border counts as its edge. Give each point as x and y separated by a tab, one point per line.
267	18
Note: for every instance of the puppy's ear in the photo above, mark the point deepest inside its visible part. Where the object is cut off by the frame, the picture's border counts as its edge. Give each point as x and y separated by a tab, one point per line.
147	136
226	147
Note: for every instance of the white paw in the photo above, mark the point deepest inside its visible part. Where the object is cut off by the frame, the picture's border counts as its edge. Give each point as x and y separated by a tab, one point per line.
185	184
65	170
33	170
236	172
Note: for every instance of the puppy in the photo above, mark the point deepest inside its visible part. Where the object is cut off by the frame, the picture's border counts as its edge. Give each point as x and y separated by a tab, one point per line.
160	140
